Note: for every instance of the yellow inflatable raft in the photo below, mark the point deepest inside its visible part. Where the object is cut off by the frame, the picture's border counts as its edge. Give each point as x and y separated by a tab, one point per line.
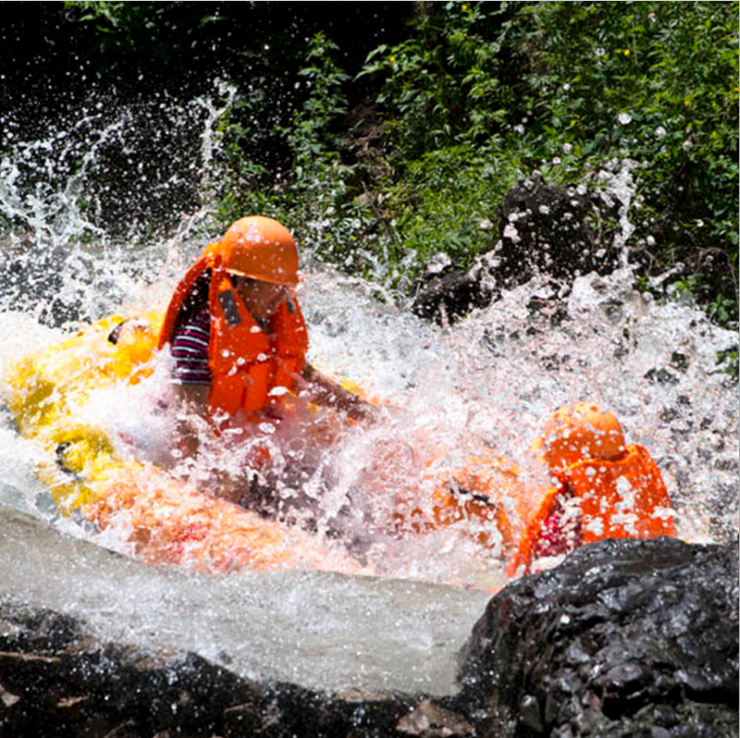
165	519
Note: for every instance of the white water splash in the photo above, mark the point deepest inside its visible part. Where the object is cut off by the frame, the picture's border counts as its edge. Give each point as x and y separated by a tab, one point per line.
491	381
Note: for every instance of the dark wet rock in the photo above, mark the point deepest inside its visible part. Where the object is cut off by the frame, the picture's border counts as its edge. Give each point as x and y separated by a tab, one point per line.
626	638
452	296
544	229
551	229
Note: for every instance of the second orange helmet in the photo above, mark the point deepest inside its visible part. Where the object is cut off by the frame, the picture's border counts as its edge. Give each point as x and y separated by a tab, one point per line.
581	431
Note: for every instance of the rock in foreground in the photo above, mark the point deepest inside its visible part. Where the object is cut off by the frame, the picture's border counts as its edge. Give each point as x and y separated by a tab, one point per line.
626	638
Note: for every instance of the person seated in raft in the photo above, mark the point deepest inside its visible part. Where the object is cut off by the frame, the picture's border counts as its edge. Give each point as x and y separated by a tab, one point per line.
603	488
238	338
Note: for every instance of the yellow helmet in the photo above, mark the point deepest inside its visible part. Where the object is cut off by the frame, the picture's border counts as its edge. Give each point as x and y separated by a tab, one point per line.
581	431
259	248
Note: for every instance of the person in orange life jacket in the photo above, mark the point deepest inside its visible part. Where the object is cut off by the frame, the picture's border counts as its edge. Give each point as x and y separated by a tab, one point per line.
237	334
602	488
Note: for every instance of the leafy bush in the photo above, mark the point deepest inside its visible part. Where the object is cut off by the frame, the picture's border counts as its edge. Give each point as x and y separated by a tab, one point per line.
569	89
657	83
478	96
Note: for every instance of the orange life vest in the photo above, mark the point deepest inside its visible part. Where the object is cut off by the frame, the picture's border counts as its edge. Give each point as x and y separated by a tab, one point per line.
621	498
249	368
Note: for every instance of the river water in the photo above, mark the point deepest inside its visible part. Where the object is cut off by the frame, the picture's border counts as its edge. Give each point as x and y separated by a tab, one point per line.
489	382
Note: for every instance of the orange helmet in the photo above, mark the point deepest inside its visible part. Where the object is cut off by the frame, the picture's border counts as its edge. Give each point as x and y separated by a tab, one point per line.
259	248
581	431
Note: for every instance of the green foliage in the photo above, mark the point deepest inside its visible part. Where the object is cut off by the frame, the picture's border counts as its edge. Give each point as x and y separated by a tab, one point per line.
570	89
445	106
729	363
165	44
445	204
319	182
657	83
442	84
125	28
478	96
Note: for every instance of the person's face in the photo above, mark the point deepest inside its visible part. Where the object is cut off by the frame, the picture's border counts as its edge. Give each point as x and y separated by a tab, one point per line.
262	299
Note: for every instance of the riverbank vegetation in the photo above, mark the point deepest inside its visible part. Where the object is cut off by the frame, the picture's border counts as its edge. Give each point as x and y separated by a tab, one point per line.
388	136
